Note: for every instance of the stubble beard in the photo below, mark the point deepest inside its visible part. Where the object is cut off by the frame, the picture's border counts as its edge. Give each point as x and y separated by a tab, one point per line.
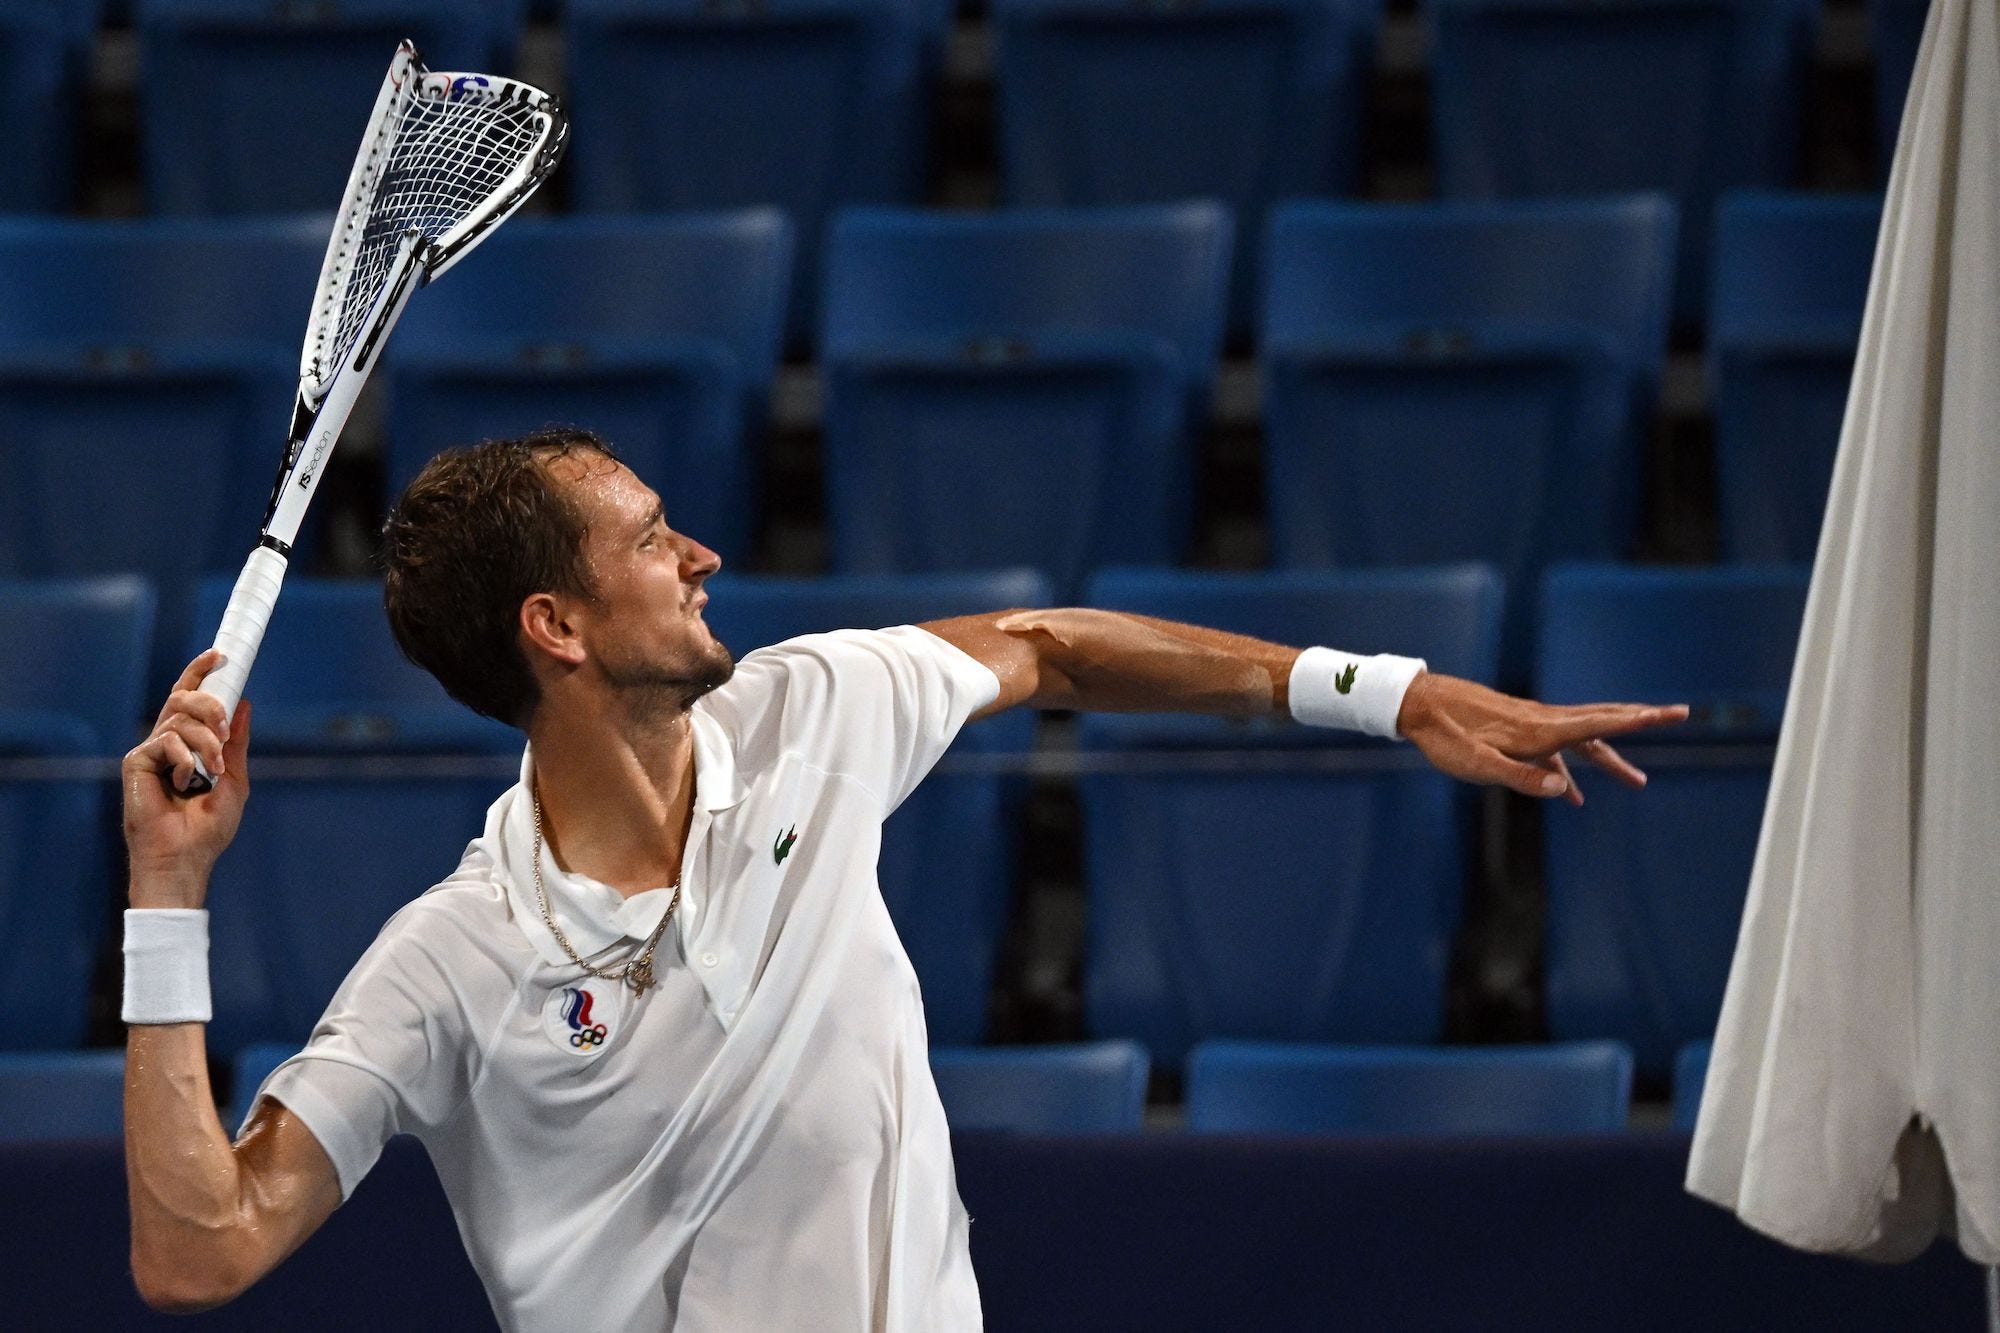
654	689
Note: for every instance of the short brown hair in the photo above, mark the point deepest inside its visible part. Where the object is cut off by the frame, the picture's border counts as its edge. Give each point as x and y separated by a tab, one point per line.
475	534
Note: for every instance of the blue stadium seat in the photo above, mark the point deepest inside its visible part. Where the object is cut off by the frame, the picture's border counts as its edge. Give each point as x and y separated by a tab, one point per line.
1541	98
807	105
147	373
1092	1088
1690	1076
50	1096
947	861
44	62
247	1072
258	106
75	655
1306	886
1791	281
1646	888
1463	382
128	289
1895	30
1242	101
331	849
329	678
660	333
1241	1087
1018	388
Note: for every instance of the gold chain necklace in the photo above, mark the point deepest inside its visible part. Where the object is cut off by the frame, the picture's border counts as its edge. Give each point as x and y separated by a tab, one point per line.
635	972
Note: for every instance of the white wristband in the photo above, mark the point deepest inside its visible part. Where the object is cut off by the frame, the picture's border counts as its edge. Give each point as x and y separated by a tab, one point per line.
166	965
1330	688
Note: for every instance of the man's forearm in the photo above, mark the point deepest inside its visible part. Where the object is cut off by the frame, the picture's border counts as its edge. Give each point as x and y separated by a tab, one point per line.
1117	662
180	1168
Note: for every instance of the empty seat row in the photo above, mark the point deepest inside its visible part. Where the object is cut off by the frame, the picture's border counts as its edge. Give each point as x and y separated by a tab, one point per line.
1442	382
1092	1088
809	105
1244	879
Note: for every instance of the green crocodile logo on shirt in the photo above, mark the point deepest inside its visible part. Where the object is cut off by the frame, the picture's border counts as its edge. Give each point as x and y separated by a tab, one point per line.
1345	680
781	846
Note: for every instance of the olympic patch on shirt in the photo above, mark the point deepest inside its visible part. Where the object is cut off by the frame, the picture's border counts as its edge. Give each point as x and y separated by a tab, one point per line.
583	1018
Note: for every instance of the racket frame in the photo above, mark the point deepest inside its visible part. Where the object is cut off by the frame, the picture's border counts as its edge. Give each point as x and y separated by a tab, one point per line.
327	394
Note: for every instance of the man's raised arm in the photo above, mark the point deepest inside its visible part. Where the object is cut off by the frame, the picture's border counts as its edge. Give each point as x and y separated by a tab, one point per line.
208	1217
1112	661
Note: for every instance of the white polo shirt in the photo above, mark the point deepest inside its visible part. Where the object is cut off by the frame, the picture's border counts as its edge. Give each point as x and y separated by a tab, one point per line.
755	1143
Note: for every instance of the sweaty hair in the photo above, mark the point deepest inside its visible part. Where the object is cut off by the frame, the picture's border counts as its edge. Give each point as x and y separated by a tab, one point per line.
475	534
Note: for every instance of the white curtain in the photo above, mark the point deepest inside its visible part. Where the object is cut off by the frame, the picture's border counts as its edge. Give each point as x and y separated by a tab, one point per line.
1853	1098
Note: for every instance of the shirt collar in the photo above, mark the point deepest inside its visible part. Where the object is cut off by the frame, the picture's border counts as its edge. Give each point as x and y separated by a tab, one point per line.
593	915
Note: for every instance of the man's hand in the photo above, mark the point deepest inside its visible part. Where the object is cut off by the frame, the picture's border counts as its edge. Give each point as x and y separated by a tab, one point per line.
172	839
1481	735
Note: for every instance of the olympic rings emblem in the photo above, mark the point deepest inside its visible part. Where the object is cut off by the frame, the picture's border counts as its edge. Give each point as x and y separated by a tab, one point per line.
585	1038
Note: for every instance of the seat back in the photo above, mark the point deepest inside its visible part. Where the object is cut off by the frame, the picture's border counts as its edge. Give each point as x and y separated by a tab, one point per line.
1241	101
124	290
76	653
1646	888
661	334
141	361
948	855
1091	1088
44	63
329	678
1690	1077
50	1096
251	106
804	105
1260	879
1538	98
1260	1087
1791	282
56	878
1047	363
1491	368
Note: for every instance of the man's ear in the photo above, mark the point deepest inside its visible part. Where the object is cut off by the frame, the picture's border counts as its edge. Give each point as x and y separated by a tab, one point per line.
546	628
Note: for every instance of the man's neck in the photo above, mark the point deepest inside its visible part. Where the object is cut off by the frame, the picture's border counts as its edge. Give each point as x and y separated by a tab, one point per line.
617	794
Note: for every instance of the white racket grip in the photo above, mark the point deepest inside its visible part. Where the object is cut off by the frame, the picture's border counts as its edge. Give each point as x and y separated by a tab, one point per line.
242	631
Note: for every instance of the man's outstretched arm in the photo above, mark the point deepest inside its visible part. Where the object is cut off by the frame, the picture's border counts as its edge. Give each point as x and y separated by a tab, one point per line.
209	1217
1112	661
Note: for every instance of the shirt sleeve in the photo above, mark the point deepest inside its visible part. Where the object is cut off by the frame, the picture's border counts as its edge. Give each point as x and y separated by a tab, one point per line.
879	706
388	1056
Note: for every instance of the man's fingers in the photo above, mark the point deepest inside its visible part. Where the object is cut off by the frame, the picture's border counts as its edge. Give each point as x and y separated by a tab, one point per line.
236	754
1571	792
1590	721
1601	754
173	758
198	738
206	708
198	670
1527	778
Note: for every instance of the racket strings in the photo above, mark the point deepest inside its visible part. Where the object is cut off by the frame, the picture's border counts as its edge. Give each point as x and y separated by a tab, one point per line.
449	156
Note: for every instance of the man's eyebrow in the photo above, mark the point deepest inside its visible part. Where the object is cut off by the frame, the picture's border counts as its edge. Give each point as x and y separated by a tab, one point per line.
657	514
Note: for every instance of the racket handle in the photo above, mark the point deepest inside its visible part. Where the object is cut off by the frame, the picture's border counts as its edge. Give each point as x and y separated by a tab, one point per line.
242	632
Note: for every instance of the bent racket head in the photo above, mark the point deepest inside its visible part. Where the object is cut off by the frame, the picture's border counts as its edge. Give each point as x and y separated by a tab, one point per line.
446	158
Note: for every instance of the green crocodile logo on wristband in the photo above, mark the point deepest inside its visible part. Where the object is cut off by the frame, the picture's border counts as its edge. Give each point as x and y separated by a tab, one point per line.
1345	680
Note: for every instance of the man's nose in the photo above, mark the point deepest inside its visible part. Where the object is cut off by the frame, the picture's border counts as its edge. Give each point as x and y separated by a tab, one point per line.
699	560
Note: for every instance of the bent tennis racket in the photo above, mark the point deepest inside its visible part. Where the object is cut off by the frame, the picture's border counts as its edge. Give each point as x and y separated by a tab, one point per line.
446	159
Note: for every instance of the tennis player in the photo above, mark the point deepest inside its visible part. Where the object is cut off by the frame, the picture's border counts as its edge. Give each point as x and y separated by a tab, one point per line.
656	1030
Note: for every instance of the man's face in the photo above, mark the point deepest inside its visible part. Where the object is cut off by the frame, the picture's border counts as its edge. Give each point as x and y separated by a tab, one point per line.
644	630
